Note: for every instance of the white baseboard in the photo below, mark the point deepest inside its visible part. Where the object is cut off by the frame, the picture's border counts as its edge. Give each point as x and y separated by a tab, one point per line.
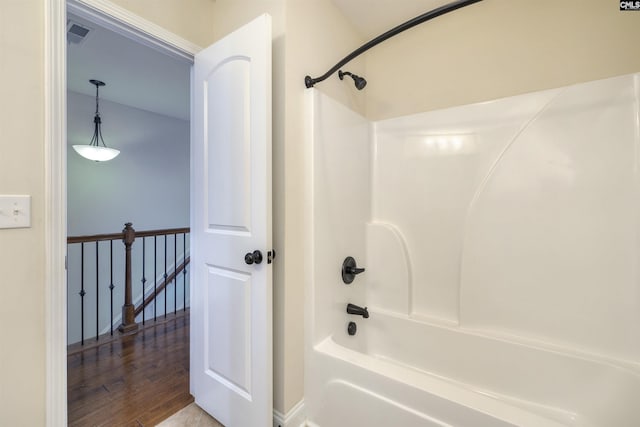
294	418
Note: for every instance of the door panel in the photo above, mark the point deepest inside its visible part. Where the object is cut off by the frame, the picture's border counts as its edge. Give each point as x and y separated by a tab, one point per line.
229	352
227	106
231	344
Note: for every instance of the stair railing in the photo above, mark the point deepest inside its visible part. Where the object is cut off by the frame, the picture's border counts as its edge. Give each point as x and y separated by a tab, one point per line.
148	296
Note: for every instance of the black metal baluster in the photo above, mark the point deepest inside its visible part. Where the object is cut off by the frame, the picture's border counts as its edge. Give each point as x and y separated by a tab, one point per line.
97	294
165	276
82	293
144	279
66	271
175	276
184	272
155	274
111	281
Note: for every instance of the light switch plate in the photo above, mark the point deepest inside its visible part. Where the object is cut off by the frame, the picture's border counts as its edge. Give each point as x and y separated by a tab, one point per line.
15	211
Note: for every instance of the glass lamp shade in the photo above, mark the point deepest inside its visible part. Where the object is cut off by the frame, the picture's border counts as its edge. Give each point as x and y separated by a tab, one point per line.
95	153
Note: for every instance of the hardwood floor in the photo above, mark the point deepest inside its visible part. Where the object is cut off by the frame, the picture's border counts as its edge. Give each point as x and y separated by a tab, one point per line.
138	380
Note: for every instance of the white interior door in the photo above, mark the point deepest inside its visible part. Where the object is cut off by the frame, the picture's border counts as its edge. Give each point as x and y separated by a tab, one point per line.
231	345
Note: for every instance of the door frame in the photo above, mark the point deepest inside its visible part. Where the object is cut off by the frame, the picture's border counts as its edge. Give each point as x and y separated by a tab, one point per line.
126	23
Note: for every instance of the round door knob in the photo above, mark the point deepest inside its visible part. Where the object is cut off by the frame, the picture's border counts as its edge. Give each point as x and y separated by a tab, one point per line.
254	257
248	258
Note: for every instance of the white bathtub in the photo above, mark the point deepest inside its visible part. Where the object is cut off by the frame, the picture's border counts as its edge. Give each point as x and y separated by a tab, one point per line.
397	371
500	242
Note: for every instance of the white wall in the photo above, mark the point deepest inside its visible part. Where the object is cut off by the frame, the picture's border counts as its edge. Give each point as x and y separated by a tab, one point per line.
147	184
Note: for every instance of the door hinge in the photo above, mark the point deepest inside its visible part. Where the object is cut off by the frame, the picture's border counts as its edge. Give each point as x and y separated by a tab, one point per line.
271	255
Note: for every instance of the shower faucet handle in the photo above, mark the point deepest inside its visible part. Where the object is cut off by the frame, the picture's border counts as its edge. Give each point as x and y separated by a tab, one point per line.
350	270
354	270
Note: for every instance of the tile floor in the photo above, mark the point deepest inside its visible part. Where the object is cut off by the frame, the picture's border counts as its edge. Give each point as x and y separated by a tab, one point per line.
190	416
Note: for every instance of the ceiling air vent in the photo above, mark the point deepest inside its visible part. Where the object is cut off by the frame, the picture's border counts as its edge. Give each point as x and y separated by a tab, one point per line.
76	33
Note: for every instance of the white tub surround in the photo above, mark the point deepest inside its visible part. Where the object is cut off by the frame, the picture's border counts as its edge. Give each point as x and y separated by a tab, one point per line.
501	248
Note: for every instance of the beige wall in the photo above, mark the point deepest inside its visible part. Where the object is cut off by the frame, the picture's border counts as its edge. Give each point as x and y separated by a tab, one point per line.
190	19
228	15
22	353
499	48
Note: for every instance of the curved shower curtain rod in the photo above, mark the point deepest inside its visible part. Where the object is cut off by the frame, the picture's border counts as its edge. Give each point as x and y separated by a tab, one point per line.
450	7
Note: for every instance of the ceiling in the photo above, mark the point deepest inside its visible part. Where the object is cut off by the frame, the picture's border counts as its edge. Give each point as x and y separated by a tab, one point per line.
151	80
374	17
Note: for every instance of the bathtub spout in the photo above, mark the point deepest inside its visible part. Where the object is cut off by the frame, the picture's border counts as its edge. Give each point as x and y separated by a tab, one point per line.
354	309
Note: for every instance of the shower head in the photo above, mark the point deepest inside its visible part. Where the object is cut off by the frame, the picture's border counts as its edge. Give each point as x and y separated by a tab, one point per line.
360	82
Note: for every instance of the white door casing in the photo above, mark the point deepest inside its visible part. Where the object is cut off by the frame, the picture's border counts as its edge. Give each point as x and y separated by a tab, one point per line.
231	326
126	23
258	410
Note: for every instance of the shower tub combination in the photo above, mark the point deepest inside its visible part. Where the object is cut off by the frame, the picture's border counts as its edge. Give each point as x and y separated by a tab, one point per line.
500	245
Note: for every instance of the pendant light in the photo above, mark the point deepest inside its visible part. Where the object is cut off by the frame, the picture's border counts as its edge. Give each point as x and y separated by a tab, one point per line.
94	150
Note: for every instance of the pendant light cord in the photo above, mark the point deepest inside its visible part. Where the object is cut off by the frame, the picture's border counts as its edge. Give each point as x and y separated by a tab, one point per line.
97	132
97	106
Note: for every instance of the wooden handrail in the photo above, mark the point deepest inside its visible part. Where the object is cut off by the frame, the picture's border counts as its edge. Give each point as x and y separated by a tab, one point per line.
162	232
170	278
116	236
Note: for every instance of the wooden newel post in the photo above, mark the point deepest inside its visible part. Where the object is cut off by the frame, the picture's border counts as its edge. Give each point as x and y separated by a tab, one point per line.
128	310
